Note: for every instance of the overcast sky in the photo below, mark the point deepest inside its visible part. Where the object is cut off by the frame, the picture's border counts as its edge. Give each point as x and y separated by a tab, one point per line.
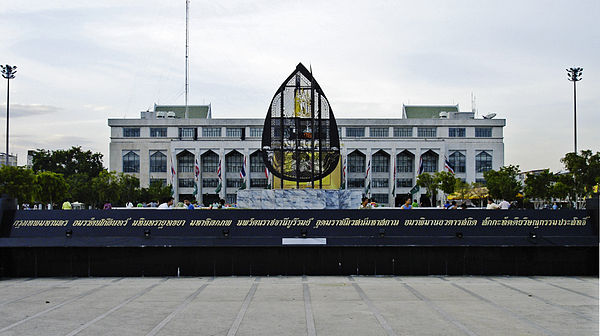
82	62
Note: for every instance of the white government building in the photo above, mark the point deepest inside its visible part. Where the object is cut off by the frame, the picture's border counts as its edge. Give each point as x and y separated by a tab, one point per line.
149	147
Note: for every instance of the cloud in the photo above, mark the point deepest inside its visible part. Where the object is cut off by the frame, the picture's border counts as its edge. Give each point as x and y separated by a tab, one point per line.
29	110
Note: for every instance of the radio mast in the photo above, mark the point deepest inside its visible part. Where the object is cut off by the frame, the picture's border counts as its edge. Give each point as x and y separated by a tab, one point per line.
187	36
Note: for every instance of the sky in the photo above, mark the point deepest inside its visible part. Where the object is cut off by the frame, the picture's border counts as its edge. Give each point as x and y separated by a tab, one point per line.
82	62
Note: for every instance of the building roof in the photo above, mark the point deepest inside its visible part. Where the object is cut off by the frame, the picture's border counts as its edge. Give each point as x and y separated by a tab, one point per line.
426	111
194	111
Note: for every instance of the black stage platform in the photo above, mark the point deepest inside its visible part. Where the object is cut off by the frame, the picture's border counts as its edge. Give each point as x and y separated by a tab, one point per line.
151	242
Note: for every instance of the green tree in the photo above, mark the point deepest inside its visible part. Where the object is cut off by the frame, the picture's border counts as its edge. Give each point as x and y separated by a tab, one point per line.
540	186
503	183
80	188
446	181
462	189
155	192
18	182
52	187
68	162
430	183
128	186
585	169
105	188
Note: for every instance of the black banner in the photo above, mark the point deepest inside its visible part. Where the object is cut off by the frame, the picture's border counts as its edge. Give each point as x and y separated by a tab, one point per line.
374	227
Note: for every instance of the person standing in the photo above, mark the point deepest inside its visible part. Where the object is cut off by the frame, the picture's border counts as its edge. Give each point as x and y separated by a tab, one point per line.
406	205
504	205
491	205
167	204
188	205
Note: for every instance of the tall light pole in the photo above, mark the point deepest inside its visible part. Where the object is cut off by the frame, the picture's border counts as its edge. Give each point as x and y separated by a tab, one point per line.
8	72
574	75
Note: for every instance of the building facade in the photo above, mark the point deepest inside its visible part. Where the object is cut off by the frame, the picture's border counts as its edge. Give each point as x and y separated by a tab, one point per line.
202	158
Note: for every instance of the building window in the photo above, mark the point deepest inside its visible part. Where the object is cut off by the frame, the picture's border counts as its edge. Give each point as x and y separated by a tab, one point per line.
427	132
356	162
159	132
211	131
355	183
403	132
404	182
256	163
381	162
158	182
186	183
234	162
187	133
380	183
233	132
210	162
481	181
355	132
380	198
456	132
210	182
379	132
185	162
483	162
231	198
131	132
405	162
483	132
158	163
258	183
430	162
458	162
256	132
131	162
233	182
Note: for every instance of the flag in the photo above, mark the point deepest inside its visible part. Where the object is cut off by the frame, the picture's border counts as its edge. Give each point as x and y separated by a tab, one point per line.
344	174
368	180
196	175
268	178
447	165
394	180
173	173
243	175
220	185
420	165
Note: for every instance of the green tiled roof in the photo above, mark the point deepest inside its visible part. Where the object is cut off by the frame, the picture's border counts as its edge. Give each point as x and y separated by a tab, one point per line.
427	111
194	111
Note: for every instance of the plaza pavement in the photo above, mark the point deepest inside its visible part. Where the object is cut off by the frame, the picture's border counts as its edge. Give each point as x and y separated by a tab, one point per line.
300	306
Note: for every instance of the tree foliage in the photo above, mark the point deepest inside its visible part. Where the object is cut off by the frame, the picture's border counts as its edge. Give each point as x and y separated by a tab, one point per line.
18	182
68	162
585	170
540	186
429	182
503	183
51	187
446	181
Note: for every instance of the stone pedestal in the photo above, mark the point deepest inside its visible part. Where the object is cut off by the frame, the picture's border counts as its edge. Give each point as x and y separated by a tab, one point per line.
298	199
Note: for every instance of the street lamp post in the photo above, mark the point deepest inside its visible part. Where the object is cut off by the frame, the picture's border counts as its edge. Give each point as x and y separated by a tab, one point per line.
8	72
574	75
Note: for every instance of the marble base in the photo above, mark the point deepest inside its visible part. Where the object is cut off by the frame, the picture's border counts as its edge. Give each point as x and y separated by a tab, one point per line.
298	199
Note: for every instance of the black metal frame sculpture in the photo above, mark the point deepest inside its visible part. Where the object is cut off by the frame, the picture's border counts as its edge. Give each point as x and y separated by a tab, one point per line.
300	140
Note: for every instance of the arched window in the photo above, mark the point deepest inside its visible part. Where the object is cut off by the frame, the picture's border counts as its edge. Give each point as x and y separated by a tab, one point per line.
381	162
256	163
234	162
483	162
405	162
356	162
185	162
458	162
430	162
131	162
158	163
210	162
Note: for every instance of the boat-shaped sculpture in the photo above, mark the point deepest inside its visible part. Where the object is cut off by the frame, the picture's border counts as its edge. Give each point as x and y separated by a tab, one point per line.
300	140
